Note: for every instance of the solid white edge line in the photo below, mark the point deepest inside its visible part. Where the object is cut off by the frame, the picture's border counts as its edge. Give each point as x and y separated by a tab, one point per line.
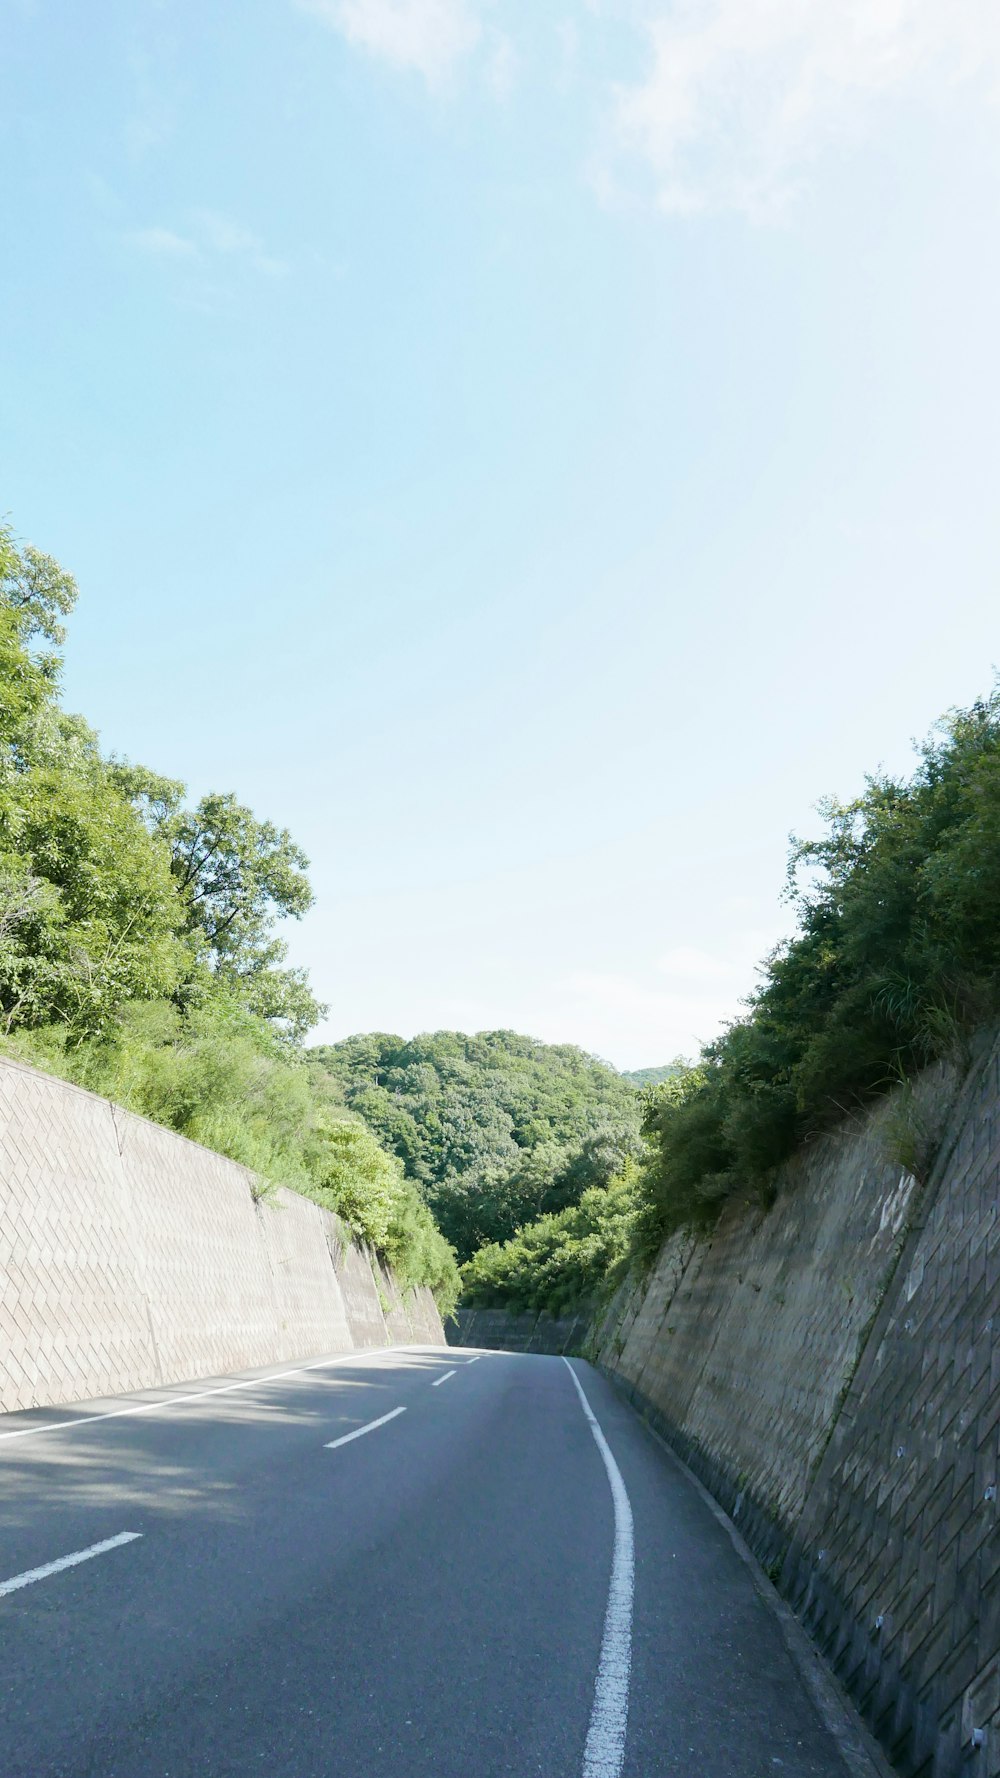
30	1575
604	1753
360	1433
439	1380
178	1401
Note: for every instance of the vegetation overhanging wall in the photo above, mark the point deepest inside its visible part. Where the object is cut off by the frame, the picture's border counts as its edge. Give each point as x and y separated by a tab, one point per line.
831	1369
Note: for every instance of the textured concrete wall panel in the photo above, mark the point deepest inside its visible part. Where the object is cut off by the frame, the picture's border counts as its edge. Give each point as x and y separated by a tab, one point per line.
73	1319
361	1299
906	1598
831	1368
631	1335
131	1258
301	1243
203	1262
425	1319
397	1321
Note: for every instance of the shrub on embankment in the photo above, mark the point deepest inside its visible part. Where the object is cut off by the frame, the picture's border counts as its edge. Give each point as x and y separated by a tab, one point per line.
139	954
895	963
561	1261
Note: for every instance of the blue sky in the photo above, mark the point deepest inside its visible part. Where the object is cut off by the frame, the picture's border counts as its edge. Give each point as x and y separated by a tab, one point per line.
532	451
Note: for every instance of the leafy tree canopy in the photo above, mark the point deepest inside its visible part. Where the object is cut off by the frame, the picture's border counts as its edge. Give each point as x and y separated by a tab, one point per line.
35	589
236	877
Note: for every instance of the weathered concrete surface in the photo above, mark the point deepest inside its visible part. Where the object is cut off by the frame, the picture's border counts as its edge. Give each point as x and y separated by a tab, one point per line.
130	1257
500	1331
831	1369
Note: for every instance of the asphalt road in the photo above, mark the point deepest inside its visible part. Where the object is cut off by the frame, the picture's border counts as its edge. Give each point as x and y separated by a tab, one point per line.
482	1585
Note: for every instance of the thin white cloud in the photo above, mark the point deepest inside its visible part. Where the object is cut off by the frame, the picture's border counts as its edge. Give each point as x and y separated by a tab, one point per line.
163	243
222	235
153	118
501	65
212	237
429	37
741	95
568	46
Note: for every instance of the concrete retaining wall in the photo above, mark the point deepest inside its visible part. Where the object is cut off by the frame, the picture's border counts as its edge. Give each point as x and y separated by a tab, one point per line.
831	1370
131	1258
498	1330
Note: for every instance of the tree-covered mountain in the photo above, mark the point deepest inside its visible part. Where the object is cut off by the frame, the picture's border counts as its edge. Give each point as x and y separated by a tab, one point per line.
496	1128
651	1077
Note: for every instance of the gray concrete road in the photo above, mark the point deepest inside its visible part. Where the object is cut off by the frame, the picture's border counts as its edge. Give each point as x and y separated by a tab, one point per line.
483	1585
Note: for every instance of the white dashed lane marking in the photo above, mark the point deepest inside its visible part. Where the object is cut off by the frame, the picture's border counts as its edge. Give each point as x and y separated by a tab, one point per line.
30	1575
162	1404
360	1433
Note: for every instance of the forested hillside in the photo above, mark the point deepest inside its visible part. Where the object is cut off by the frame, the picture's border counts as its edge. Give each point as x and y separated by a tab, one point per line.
651	1077
496	1129
139	954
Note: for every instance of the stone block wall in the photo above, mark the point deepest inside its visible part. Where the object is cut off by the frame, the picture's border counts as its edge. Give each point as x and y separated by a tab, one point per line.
132	1258
831	1369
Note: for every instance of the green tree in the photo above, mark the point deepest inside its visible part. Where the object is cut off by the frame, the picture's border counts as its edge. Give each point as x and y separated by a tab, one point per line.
88	913
236	878
99	920
35	589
